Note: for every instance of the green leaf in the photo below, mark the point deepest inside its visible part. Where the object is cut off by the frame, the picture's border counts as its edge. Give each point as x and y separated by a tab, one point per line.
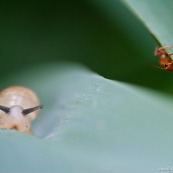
90	124
157	16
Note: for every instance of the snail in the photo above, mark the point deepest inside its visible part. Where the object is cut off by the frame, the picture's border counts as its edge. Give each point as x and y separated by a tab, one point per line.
19	106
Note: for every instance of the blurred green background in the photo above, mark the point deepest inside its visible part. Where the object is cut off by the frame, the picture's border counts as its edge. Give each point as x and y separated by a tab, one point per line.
102	35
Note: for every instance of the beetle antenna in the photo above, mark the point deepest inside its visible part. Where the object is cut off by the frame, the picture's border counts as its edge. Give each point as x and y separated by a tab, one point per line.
29	110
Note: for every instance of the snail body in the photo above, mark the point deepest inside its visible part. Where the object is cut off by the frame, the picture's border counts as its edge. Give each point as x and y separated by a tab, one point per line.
18	107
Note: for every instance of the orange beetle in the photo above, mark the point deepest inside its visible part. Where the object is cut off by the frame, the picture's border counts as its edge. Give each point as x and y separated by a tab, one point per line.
165	61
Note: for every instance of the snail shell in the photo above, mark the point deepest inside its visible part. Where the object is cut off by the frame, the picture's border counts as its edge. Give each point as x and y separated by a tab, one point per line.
18	107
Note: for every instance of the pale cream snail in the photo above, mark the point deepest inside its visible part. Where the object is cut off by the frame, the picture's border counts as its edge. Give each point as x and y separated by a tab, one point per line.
18	107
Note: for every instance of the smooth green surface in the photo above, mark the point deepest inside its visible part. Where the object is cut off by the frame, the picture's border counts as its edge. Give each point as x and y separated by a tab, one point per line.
90	124
157	16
